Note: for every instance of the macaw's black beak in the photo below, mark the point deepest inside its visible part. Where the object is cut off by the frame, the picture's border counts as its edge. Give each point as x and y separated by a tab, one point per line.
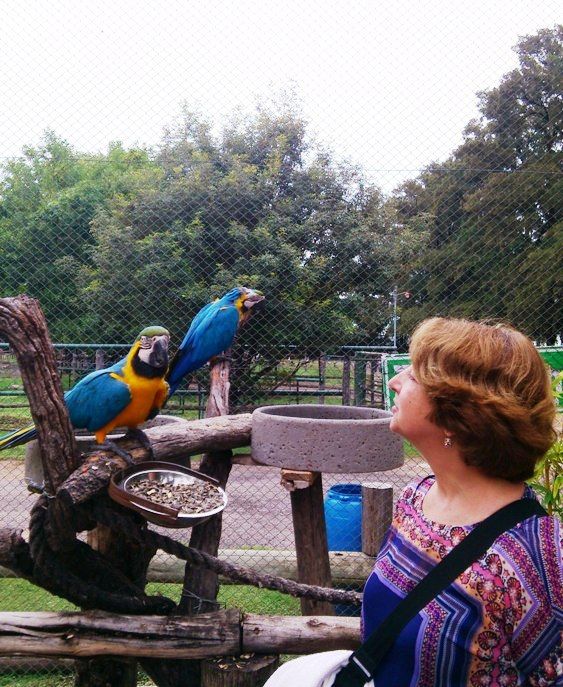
159	354
253	300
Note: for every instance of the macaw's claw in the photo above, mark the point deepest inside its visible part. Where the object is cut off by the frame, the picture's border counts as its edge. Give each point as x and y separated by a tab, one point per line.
139	436
34	487
112	446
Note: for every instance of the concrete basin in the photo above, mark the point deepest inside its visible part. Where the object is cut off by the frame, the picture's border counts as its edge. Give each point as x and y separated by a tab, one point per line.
325	438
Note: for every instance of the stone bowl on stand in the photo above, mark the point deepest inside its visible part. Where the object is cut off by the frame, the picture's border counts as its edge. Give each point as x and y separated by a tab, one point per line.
325	438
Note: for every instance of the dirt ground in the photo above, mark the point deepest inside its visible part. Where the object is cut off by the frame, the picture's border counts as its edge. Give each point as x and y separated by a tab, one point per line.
258	513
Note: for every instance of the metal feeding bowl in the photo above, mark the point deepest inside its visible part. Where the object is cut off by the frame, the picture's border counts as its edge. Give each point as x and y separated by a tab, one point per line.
164	475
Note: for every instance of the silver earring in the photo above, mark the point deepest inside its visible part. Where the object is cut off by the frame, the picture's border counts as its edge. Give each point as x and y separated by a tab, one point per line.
447	442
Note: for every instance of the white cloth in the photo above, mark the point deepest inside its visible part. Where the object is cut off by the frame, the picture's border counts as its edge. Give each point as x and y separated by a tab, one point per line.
313	670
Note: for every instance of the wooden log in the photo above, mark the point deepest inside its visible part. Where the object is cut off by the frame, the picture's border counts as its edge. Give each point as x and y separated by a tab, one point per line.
297	634
247	670
311	544
169	442
104	634
23	324
360	365
222	633
377	513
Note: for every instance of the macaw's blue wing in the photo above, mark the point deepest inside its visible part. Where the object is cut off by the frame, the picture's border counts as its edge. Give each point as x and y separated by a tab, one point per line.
97	399
212	331
92	403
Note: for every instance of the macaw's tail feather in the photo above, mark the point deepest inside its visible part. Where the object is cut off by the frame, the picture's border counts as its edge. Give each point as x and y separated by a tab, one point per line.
18	437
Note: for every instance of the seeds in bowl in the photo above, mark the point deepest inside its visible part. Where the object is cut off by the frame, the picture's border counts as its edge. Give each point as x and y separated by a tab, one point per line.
195	497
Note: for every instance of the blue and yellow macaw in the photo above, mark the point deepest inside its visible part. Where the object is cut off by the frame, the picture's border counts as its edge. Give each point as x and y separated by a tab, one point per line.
123	395
211	332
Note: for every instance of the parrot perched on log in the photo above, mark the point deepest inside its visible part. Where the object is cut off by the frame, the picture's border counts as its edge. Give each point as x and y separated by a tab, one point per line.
123	395
211	332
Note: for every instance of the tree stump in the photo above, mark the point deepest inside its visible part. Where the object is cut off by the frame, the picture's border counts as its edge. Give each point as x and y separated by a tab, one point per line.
247	670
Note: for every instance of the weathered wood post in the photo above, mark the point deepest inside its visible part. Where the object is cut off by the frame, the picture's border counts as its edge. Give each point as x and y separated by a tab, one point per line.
311	546
201	585
206	537
100	359
377	513
360	365
322	380
346	381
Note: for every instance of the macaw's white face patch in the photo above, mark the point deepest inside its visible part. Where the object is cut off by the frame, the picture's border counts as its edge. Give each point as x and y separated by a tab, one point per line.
153	350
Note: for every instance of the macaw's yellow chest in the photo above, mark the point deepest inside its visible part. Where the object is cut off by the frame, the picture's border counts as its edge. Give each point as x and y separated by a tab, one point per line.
146	394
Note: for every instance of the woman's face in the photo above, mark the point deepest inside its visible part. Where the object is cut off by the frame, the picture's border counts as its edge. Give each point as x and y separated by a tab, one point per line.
411	408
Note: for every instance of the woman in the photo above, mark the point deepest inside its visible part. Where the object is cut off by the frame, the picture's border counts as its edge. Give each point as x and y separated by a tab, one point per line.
476	402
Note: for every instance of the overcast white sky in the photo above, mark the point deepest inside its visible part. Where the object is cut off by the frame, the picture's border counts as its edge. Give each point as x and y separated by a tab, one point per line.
387	84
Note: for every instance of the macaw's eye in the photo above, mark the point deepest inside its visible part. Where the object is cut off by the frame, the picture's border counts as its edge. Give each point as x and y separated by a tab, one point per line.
146	342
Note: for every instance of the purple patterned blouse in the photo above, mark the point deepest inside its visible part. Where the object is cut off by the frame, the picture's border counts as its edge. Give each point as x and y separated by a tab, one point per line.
499	624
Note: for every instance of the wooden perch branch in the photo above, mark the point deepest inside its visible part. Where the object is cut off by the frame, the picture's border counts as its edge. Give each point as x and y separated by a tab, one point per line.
220	633
23	324
169	442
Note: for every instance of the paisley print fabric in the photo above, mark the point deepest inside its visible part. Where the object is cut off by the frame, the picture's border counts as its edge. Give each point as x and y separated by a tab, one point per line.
499	624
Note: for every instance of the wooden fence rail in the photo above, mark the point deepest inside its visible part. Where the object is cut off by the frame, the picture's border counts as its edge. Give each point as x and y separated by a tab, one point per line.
221	633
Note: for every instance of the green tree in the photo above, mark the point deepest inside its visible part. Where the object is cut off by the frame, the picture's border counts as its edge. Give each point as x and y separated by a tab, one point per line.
48	199
256	205
495	205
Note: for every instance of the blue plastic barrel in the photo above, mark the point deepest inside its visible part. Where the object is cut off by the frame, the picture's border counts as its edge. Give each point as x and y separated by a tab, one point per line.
343	515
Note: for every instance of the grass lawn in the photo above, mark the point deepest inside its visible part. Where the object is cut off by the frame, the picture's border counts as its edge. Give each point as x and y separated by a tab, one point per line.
20	595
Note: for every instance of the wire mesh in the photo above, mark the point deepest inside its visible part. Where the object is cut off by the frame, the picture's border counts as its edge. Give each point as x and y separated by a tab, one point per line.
353	231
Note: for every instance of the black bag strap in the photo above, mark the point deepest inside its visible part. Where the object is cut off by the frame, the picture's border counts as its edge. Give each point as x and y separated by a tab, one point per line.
364	661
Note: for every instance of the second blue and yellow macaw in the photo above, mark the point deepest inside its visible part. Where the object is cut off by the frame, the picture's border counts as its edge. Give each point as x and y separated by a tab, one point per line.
123	395
211	332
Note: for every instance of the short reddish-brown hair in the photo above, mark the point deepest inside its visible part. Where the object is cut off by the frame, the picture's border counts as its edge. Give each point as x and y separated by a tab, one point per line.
490	389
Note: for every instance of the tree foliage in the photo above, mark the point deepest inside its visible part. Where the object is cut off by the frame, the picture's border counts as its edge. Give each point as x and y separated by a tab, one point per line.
112	242
494	208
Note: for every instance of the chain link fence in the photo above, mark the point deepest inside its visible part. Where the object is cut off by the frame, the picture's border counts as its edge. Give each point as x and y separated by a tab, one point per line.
353	232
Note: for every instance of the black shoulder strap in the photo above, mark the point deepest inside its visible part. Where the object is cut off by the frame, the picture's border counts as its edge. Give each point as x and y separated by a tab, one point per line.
364	661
